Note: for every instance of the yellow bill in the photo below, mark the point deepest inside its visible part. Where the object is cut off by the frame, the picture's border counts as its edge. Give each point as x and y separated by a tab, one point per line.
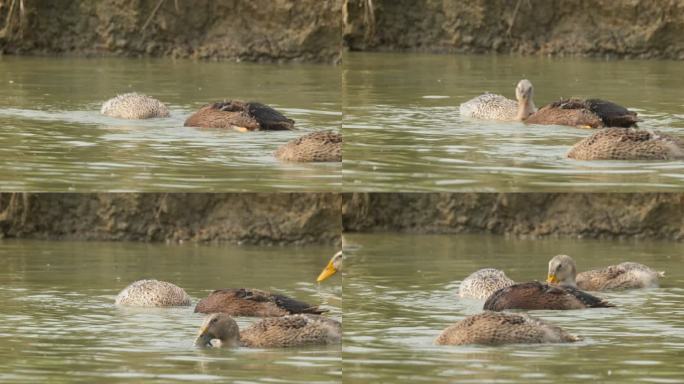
552	279
328	271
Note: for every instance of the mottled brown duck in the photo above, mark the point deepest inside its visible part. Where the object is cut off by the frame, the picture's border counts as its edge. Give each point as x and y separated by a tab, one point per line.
482	283
241	116
627	275
590	113
152	293
490	106
496	328
134	106
323	146
536	295
628	144
253	302
220	330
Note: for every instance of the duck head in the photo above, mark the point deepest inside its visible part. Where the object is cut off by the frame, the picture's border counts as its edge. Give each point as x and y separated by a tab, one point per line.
524	93
562	271
218	330
334	266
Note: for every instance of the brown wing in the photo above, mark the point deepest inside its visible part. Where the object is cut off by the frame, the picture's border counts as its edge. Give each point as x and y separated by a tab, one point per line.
611	114
565	112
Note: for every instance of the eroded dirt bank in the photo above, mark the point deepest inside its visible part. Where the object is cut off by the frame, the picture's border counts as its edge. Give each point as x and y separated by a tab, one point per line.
237	218
254	30
611	216
617	28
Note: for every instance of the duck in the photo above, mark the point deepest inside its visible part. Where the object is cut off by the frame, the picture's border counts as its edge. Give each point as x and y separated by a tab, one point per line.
220	330
496	328
241	116
325	146
563	271
627	144
152	293
134	106
537	295
333	266
490	106
482	283
253	302
589	113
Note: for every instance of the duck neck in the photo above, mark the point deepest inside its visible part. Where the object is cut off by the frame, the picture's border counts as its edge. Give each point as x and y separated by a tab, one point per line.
526	107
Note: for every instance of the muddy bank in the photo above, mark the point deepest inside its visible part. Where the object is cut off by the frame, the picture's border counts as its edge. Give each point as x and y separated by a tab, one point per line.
604	28
610	216
253	30
245	218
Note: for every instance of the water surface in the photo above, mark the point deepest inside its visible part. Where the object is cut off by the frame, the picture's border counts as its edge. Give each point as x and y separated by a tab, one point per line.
403	130
58	322
54	138
400	293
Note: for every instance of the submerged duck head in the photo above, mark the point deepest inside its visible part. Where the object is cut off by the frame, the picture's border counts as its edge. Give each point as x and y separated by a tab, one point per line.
334	266
524	93
218	330
562	271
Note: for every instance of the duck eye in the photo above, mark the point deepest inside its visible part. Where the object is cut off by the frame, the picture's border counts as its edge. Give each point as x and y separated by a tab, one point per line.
215	319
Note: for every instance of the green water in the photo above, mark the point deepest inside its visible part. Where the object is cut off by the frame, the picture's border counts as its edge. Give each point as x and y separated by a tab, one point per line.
54	138
400	293
403	130
58	322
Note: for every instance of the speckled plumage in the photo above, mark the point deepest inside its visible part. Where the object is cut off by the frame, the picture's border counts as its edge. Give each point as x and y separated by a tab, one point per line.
134	106
253	302
323	146
536	295
220	330
243	116
494	328
622	276
490	106
153	293
481	284
291	331
627	144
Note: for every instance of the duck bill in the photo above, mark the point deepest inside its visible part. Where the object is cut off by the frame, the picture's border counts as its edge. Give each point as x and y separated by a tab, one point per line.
552	279
203	339
328	271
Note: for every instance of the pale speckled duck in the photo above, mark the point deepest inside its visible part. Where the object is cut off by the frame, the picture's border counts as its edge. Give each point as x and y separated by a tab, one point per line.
323	146
220	330
496	328
134	106
152	293
334	265
496	107
482	283
253	302
536	295
563	271
627	144
590	113
241	116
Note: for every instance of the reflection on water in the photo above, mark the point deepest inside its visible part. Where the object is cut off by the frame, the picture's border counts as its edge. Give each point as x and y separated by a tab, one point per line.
403	130
400	291
54	138
58	321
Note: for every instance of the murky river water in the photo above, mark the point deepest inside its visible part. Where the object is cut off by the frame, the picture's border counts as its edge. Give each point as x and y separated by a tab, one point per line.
54	138
403	131
58	322
400	293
